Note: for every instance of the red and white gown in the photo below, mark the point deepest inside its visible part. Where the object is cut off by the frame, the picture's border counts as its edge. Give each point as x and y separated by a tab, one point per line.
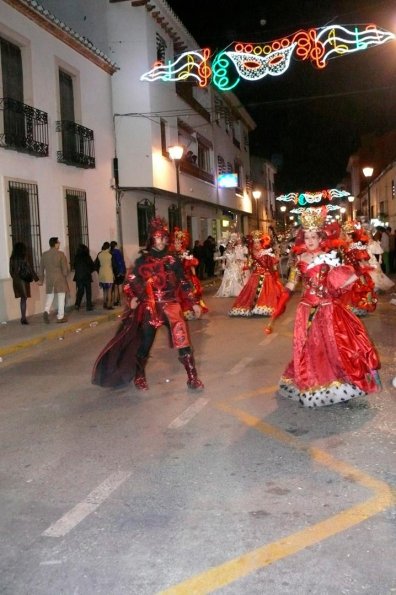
333	357
189	263
361	298
260	295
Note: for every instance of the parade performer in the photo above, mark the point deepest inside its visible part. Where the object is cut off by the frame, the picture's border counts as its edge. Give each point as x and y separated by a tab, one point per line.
179	245
260	295
152	289
381	281
333	357
361	298
234	260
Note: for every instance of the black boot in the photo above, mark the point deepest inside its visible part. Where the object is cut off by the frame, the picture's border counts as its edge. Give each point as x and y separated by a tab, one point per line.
193	381
140	376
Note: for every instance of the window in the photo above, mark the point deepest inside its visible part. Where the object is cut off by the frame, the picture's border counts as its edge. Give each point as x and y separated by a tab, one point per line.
66	95
145	212
77	220
161	48
163	138
25	219
174	217
221	165
12	79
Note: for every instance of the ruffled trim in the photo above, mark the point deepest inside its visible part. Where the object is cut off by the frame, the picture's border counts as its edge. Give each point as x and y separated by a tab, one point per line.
335	392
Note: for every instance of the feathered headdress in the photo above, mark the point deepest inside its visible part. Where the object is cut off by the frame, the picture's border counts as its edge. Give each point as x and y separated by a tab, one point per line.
158	227
180	235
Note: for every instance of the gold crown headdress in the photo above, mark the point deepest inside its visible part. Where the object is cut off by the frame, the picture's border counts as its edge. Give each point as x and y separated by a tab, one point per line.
182	235
313	219
348	227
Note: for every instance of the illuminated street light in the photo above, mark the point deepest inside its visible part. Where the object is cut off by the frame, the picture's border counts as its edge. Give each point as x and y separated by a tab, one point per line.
368	172
176	153
350	200
342	211
256	196
283	210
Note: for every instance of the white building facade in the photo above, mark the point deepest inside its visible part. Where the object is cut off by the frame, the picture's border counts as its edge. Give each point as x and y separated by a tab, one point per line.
149	118
56	142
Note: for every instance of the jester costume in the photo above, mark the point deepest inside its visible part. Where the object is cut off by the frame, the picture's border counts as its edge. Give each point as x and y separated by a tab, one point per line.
155	283
263	289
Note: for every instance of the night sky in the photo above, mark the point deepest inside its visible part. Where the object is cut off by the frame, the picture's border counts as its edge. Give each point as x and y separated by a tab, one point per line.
308	120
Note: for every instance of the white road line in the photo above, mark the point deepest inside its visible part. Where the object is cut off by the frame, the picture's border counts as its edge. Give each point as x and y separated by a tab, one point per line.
268	339
188	414
240	365
77	514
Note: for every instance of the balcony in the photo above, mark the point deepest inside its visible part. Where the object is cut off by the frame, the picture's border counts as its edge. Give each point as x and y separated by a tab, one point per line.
23	128
77	144
187	167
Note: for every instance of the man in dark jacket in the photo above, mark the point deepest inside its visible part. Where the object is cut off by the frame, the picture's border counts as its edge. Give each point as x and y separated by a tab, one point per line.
83	269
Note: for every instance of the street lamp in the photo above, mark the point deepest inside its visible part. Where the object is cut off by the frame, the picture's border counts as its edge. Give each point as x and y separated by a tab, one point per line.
176	153
350	200
283	210
342	211
256	196
368	172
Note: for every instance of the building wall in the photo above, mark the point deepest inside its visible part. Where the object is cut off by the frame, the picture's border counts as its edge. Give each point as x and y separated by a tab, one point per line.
43	54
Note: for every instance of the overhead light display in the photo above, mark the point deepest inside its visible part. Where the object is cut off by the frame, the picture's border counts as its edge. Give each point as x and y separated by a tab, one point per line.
254	61
308	198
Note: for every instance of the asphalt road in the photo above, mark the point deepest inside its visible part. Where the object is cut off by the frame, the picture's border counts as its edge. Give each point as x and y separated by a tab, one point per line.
232	490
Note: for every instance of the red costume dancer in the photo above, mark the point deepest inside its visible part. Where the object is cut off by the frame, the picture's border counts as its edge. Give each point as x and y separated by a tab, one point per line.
179	245
152	288
361	298
260	295
333	357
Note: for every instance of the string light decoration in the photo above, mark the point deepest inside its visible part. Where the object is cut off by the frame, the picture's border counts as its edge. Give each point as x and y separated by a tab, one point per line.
304	198
254	61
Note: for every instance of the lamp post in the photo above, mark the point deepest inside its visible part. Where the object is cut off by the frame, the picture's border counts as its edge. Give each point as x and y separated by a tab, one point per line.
283	210
176	153
368	172
256	196
350	200
342	211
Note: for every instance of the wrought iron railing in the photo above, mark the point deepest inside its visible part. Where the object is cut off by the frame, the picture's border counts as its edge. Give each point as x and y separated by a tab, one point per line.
23	128
77	144
190	168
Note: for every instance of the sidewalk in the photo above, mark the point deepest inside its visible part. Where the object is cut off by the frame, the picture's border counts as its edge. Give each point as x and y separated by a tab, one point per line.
16	337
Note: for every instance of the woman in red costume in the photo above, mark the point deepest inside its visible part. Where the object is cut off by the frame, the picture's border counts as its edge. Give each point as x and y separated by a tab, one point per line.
179	244
361	299
333	357
261	294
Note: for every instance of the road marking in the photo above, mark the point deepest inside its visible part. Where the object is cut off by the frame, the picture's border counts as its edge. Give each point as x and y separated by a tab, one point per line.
188	414
237	568
77	514
240	365
269	339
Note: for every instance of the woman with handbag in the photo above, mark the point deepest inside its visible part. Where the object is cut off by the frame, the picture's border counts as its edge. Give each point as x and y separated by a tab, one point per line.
22	274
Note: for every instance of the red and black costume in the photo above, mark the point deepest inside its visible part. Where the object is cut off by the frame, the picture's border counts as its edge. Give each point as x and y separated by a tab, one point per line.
156	281
179	246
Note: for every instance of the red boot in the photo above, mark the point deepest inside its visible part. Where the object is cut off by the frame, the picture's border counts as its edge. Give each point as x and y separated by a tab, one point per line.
193	381
140	376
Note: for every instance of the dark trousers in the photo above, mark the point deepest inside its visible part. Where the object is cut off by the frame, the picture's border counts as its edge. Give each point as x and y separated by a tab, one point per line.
84	286
148	336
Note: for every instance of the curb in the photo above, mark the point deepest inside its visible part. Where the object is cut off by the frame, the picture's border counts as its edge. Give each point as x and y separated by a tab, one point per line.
58	333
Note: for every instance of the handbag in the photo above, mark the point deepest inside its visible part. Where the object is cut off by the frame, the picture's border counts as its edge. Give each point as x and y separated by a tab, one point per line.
25	272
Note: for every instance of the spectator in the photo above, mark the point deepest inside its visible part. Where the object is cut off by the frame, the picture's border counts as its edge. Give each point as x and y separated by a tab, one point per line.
83	268
119	270
105	274
209	248
22	274
385	247
392	247
198	254
53	267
